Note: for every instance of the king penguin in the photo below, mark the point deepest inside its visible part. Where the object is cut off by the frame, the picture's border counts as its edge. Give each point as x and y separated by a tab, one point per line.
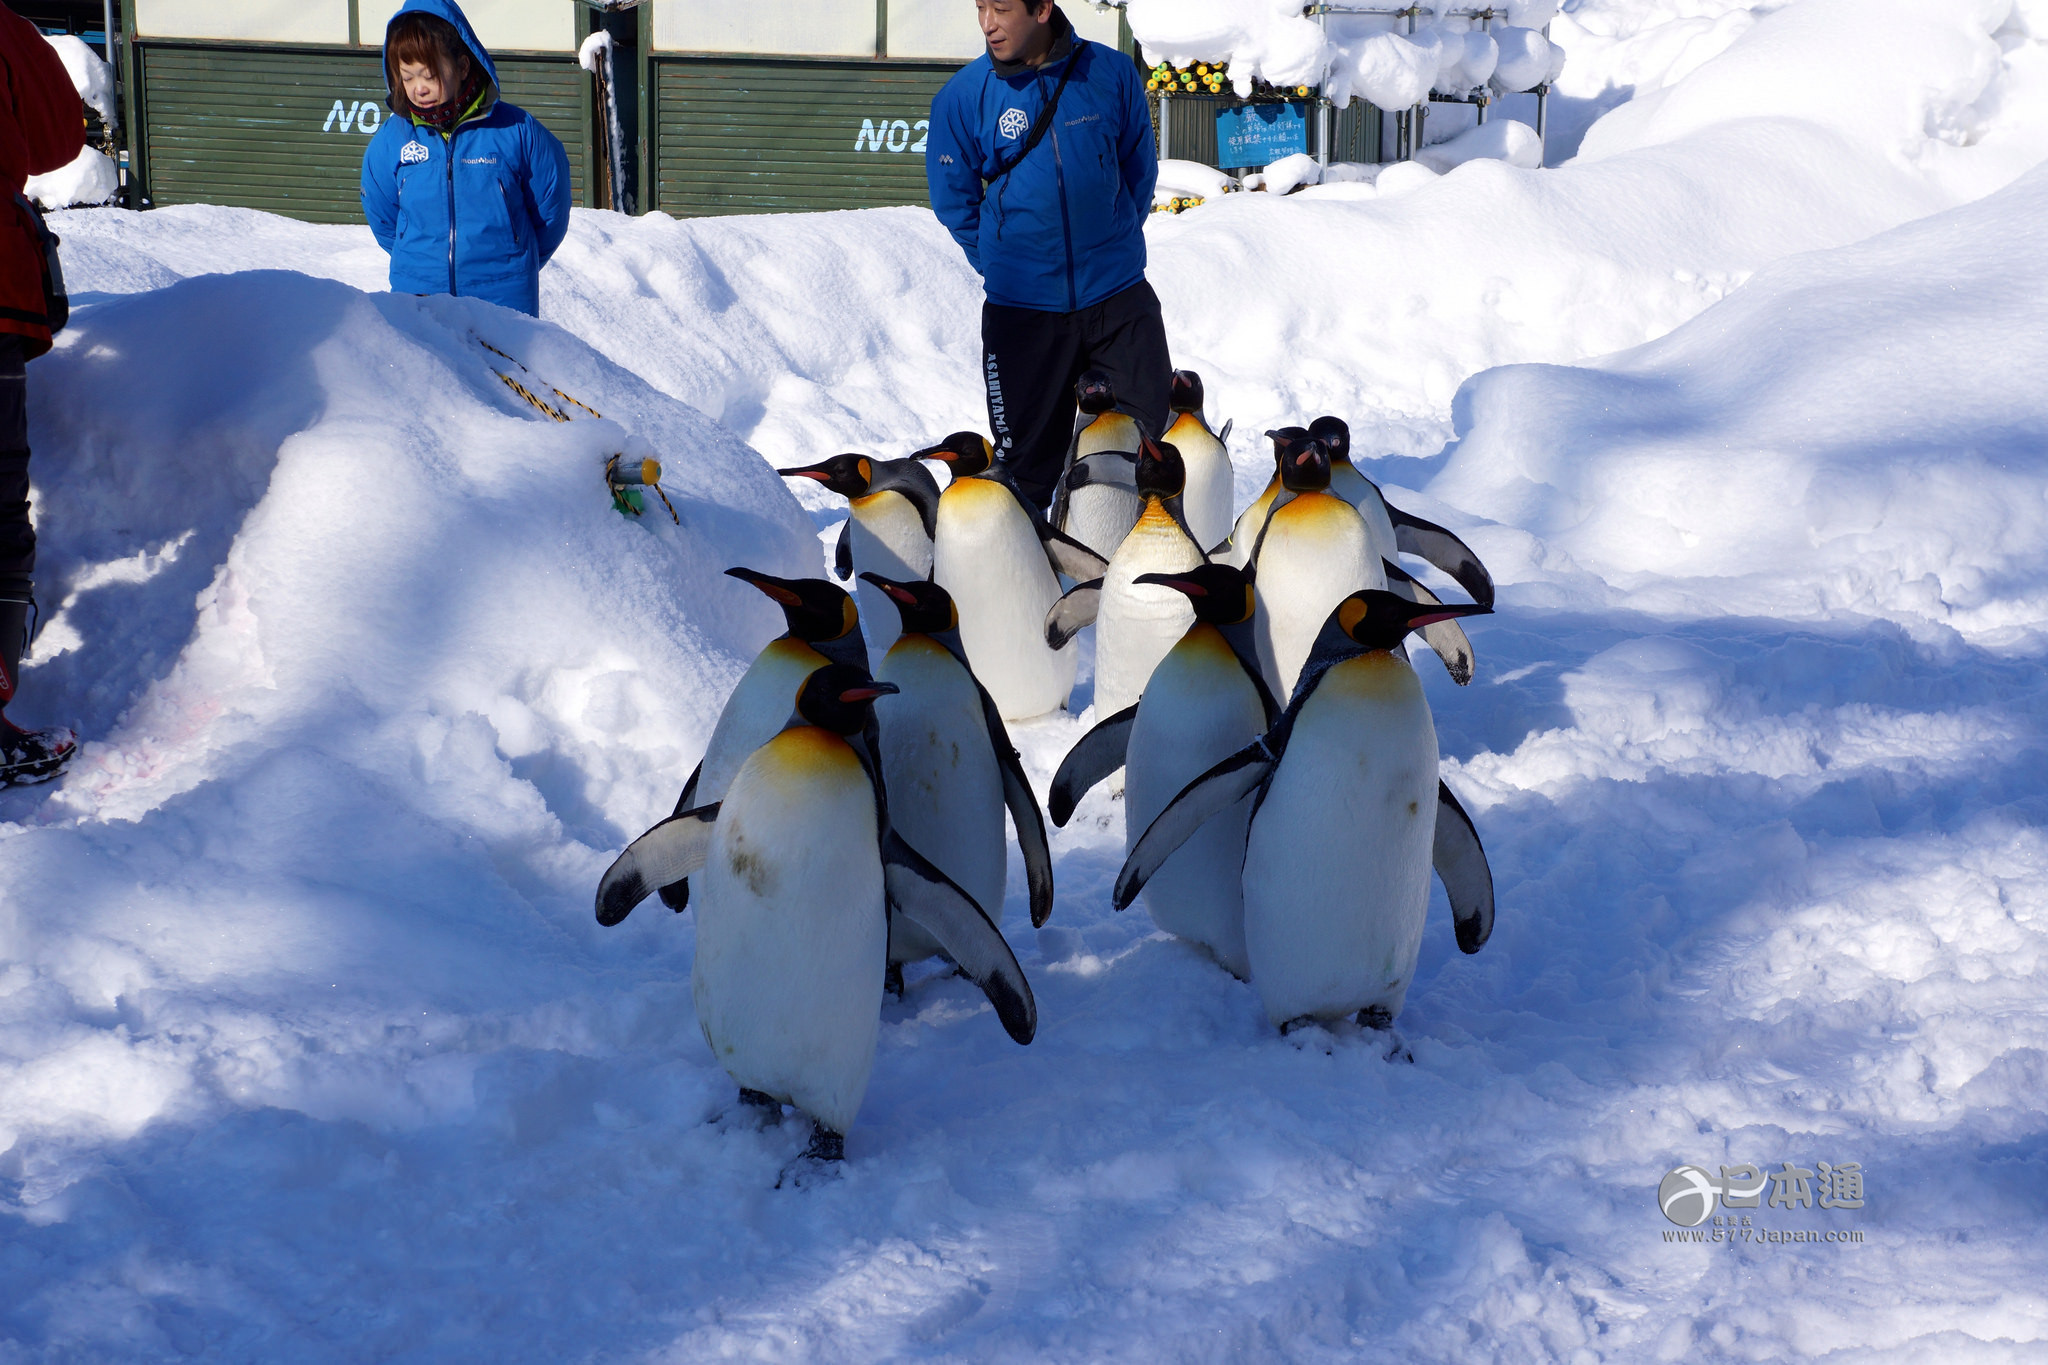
1237	549
1097	499
1001	560
1397	530
1210	479
950	768
1206	700
801	872
1135	622
892	515
1313	551
823	627
1348	817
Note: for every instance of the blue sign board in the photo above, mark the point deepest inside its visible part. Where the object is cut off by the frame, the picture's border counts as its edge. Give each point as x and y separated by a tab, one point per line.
1260	134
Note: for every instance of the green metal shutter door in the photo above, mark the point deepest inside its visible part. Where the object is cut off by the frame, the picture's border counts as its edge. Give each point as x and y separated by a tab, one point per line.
259	128
736	136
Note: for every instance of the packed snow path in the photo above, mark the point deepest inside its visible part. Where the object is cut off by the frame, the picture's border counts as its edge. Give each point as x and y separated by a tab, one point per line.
310	1048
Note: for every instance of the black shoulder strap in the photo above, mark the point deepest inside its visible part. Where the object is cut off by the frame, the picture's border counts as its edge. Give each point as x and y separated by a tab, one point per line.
1044	119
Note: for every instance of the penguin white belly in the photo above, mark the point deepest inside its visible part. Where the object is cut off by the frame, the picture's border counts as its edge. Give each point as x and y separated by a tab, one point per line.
888	539
1347	483
990	559
1100	516
1137	623
1245	533
791	933
1336	871
1199	708
1316	554
755	713
1205	501
945	792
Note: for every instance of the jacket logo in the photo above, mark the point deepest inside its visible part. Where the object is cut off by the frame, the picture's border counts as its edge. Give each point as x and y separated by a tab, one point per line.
412	154
479	161
1012	124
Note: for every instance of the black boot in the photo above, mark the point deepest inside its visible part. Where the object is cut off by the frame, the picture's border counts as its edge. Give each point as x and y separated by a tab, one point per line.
26	756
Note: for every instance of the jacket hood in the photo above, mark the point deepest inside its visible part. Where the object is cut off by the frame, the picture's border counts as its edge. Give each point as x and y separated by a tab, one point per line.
450	12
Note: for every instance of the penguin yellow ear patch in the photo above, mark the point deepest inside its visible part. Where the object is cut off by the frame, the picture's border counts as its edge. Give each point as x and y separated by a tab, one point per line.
867	472
1349	613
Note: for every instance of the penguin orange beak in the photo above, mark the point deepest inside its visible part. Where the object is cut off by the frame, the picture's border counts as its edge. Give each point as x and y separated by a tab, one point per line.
868	692
1167	580
776	588
944	453
1449	612
820	475
889	585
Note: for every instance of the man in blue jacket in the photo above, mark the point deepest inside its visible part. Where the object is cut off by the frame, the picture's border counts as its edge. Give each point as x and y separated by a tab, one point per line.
469	194
1041	164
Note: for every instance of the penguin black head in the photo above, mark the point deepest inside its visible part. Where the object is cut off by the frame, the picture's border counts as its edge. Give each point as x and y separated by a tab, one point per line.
1335	434
1160	471
926	608
966	453
1094	393
1283	440
1186	393
847	475
1378	620
837	697
1221	593
1303	460
813	608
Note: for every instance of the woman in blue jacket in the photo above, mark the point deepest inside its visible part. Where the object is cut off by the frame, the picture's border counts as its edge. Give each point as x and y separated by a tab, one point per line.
469	194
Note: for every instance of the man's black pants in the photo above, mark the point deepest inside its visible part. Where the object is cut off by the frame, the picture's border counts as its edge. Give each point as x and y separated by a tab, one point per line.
17	537
1031	361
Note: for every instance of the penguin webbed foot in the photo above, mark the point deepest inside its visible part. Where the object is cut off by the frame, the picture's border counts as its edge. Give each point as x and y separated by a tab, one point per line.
824	1157
1379	1019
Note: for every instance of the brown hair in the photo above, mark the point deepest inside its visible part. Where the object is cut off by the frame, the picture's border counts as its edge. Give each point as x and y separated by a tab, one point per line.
427	41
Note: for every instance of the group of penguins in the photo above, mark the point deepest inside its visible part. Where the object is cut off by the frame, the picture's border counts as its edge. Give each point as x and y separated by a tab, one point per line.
1279	761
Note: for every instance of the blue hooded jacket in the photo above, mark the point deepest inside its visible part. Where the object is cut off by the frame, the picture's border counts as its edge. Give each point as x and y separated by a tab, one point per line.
1066	228
477	211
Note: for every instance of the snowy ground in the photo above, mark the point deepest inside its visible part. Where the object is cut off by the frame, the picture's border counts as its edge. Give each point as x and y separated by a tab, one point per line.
311	1050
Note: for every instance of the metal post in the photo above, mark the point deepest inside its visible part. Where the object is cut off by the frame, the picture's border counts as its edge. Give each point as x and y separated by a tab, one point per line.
1165	126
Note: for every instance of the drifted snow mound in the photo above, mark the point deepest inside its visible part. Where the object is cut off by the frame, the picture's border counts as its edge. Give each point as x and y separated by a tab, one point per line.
1857	431
371	680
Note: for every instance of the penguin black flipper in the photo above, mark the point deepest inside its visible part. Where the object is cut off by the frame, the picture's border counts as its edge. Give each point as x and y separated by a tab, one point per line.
1024	812
666	854
1073	611
937	905
1223	436
1426	539
1116	468
1067	555
1100	752
688	798
1460	862
1209	795
842	554
1447	638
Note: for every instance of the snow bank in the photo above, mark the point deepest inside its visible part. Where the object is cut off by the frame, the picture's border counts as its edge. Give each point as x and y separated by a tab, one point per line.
89	73
337	610
1797	451
89	179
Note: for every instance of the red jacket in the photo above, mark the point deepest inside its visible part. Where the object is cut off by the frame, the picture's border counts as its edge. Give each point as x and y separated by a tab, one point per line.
42	128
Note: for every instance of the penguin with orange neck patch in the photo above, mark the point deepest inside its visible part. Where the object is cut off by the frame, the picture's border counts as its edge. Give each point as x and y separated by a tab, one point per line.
999	558
1348	818
892	515
1210	481
800	872
1097	499
950	768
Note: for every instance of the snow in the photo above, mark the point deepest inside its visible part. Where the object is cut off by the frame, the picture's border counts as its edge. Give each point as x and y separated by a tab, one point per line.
1190	178
596	49
310	1048
89	179
89	72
